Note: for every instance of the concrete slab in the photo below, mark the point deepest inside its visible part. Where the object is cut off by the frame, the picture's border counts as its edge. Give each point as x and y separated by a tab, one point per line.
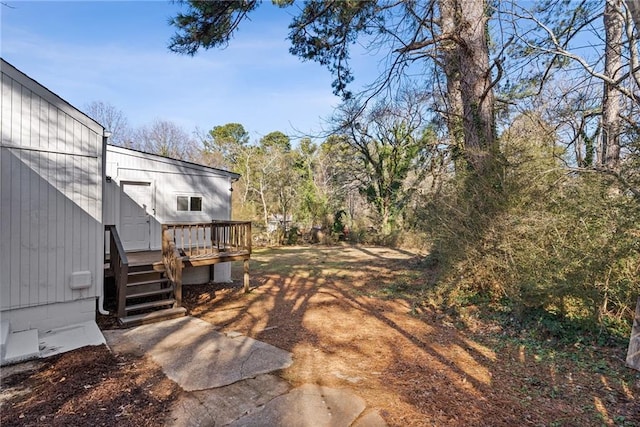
223	405
119	344
69	338
226	382
370	419
4	336
21	346
308	405
197	357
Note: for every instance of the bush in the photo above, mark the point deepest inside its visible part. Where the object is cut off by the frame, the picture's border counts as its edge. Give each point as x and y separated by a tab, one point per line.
551	241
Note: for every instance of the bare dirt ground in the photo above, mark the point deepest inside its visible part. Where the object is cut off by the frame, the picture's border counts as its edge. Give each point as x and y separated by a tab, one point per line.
352	318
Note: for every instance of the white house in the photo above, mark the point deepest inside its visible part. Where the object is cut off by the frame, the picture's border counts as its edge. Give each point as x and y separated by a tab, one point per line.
51	176
144	191
61	185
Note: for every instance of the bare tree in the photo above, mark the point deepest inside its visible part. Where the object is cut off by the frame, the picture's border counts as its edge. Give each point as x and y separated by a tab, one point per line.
609	155
432	36
112	119
634	10
387	151
165	138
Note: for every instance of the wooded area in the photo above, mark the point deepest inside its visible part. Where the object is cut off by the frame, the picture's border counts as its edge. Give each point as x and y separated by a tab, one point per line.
502	136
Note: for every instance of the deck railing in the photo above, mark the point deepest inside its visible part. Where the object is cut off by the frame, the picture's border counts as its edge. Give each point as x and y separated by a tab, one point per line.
210	238
216	240
172	264
119	266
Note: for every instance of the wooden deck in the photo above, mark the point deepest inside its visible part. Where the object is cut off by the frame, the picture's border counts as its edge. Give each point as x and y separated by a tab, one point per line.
144	258
184	245
196	259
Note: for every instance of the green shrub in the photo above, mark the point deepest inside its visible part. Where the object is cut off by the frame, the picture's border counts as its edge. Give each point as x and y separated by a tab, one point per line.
550	241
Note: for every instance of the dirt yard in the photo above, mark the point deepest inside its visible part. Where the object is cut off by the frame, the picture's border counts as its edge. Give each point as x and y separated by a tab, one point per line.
351	318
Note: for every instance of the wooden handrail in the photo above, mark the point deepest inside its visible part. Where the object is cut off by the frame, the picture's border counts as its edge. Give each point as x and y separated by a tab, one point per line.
172	264
192	240
174	223
209	238
119	265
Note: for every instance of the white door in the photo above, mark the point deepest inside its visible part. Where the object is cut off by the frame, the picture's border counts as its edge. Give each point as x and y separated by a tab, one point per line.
136	207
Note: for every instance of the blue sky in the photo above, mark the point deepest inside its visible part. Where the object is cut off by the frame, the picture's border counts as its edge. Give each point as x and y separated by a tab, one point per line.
116	52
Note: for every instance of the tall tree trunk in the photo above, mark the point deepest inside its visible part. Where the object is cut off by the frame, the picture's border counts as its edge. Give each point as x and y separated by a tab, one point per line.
475	82
468	66
634	10
263	199
451	68
610	147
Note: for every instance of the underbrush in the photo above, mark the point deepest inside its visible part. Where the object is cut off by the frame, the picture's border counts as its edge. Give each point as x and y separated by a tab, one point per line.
552	251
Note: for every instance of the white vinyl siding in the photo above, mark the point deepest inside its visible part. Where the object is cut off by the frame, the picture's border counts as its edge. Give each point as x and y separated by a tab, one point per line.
50	196
170	178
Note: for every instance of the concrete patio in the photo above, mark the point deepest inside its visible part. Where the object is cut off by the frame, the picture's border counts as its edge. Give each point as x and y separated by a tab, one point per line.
227	379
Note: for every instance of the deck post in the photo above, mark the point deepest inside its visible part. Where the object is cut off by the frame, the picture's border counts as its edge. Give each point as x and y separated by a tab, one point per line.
177	290
121	290
246	276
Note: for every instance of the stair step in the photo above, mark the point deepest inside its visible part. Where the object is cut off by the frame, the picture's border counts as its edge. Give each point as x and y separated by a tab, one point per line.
145	269
150	293
150	304
156	316
149	282
142	272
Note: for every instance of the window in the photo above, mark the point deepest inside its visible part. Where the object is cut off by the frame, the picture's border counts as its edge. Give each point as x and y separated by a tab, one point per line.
196	204
187	203
183	203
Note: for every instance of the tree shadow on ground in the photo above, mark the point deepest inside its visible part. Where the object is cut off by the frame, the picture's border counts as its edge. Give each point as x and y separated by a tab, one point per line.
325	305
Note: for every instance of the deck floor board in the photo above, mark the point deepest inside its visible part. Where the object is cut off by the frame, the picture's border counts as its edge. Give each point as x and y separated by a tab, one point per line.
139	258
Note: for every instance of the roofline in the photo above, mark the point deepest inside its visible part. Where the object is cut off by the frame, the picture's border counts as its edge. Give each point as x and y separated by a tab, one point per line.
25	80
233	175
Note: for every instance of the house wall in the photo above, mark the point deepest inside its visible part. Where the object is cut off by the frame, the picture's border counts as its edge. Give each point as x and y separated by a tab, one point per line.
168	179
50	205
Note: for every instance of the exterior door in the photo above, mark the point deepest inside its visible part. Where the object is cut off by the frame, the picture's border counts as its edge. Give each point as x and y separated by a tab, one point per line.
136	207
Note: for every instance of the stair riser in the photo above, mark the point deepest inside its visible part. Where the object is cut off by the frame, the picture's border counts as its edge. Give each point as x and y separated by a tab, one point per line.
144	288
157	316
151	305
143	268
163	294
135	278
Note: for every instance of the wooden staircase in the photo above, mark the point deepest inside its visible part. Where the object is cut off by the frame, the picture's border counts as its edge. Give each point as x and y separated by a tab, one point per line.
150	290
145	293
150	297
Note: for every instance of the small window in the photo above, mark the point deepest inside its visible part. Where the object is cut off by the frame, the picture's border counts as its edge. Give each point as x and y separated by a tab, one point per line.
196	204
183	203
186	203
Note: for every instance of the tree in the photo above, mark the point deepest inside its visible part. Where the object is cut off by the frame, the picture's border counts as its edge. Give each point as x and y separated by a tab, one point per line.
604	76
165	138
634	10
281	177
208	24
611	100
388	152
276	140
468	70
112	119
456	39
229	140
447	33
313	201
336	176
